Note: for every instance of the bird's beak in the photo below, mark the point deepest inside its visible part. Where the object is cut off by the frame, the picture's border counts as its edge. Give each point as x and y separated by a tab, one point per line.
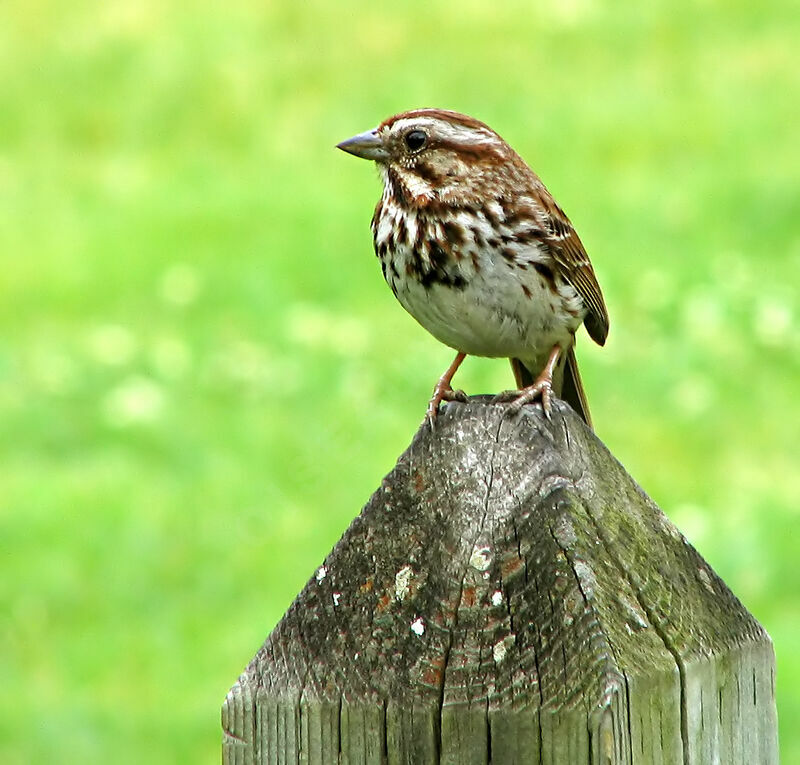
367	145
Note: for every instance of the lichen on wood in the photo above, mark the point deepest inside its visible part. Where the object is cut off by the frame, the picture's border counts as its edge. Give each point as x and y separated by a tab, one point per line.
509	594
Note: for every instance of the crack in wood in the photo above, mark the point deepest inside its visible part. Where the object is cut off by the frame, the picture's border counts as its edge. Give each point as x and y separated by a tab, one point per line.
658	627
353	682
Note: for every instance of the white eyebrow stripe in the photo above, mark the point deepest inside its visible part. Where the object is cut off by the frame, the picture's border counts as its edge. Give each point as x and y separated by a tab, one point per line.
449	131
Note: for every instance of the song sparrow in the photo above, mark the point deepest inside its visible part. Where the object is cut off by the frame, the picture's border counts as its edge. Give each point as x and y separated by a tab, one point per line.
476	249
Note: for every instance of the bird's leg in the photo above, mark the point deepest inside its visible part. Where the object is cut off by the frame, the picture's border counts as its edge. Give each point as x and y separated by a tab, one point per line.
542	387
443	391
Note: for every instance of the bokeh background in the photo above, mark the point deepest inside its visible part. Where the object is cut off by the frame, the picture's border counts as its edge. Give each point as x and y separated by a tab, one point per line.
203	377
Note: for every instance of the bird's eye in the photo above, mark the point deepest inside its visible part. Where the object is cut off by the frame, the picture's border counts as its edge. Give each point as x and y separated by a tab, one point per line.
416	139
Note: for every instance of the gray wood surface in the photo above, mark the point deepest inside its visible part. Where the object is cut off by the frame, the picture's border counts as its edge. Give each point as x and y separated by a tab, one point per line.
509	595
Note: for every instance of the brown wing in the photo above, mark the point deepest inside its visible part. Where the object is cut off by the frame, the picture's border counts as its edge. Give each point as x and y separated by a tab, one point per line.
573	264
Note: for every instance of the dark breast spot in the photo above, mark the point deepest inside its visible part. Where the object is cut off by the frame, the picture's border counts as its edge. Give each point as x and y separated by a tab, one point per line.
453	232
400	229
492	217
438	268
476	263
437	255
511	216
420	237
376	216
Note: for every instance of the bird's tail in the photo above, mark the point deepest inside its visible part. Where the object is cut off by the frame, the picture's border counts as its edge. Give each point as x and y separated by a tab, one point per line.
571	387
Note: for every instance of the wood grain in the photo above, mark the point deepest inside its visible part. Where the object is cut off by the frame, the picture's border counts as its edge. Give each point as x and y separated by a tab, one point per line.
509	595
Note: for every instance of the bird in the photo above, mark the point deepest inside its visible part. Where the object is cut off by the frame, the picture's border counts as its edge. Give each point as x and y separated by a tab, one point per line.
476	249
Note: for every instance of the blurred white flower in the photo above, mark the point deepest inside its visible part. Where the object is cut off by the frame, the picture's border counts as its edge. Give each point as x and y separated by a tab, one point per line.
180	285
314	327
123	176
250	365
570	12
733	272
111	344
137	400
694	395
171	356
703	316
52	370
243	361
773	321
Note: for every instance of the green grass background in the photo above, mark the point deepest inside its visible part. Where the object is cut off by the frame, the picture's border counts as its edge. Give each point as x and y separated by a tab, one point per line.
203	377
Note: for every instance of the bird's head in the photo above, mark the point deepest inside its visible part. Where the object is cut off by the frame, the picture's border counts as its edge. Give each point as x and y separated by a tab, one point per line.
430	155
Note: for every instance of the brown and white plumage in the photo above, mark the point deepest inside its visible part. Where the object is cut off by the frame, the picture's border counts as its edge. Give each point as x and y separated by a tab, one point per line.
474	247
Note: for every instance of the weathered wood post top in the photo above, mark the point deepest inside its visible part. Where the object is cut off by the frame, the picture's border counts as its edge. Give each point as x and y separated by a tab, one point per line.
509	595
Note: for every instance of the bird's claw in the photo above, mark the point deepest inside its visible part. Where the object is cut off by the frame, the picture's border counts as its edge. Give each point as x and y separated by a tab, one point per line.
541	389
454	395
442	393
506	396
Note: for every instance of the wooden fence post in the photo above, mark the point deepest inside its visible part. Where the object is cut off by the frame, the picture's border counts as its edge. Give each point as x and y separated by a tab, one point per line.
509	595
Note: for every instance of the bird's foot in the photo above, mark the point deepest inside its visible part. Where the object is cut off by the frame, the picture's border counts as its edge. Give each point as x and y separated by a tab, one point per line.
443	392
541	389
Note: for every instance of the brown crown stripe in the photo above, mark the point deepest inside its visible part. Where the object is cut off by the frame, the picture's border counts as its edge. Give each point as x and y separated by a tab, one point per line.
445	115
